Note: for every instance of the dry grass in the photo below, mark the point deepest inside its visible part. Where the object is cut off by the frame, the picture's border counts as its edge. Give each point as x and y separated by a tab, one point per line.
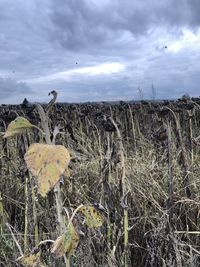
154	238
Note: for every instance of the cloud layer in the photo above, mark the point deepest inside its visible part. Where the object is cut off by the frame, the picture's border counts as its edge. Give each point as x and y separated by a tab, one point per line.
93	50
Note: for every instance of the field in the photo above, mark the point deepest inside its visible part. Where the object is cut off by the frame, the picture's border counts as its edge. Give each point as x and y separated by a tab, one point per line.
140	161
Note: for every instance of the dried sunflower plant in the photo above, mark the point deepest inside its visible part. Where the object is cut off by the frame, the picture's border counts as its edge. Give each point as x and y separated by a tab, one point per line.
47	163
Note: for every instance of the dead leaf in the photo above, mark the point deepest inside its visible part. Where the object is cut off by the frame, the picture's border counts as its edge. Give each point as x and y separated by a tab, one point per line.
47	163
93	217
19	125
30	260
66	243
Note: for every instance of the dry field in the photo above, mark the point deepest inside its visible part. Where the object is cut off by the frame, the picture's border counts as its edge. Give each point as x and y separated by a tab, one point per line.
140	161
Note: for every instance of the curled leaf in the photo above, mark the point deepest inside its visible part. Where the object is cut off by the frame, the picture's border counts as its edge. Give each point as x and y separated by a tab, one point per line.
93	217
47	163
66	243
17	126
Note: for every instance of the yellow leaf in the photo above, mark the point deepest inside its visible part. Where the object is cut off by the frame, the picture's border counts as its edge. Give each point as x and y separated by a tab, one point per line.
17	126
93	217
66	243
47	163
30	260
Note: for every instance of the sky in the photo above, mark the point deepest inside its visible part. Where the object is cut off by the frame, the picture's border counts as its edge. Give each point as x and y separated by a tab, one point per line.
99	50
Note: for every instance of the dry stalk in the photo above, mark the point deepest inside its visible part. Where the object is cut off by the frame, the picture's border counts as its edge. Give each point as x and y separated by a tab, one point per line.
185	165
124	191
59	202
170	175
15	240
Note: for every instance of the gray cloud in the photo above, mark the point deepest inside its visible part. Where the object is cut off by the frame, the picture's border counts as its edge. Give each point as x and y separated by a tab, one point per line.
82	25
44	37
11	89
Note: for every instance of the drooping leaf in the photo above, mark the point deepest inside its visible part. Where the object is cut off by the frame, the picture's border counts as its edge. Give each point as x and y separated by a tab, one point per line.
93	217
17	126
30	260
67	243
47	163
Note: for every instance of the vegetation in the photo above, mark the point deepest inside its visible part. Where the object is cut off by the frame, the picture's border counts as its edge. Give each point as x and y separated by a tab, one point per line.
129	196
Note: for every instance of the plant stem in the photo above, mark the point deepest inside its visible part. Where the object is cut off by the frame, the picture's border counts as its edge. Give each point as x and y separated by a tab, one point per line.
15	240
26	217
170	175
36	230
185	164
58	196
124	192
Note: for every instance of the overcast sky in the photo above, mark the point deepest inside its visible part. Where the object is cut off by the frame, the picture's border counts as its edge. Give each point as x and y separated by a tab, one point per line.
94	50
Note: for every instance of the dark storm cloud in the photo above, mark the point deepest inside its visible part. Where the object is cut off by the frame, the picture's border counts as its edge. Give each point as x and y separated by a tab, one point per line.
84	25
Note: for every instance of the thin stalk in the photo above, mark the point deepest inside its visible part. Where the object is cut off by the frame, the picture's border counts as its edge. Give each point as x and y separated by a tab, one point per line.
124	192
26	217
36	230
38	128
109	178
74	213
15	240
185	165
170	175
125	238
191	137
133	128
